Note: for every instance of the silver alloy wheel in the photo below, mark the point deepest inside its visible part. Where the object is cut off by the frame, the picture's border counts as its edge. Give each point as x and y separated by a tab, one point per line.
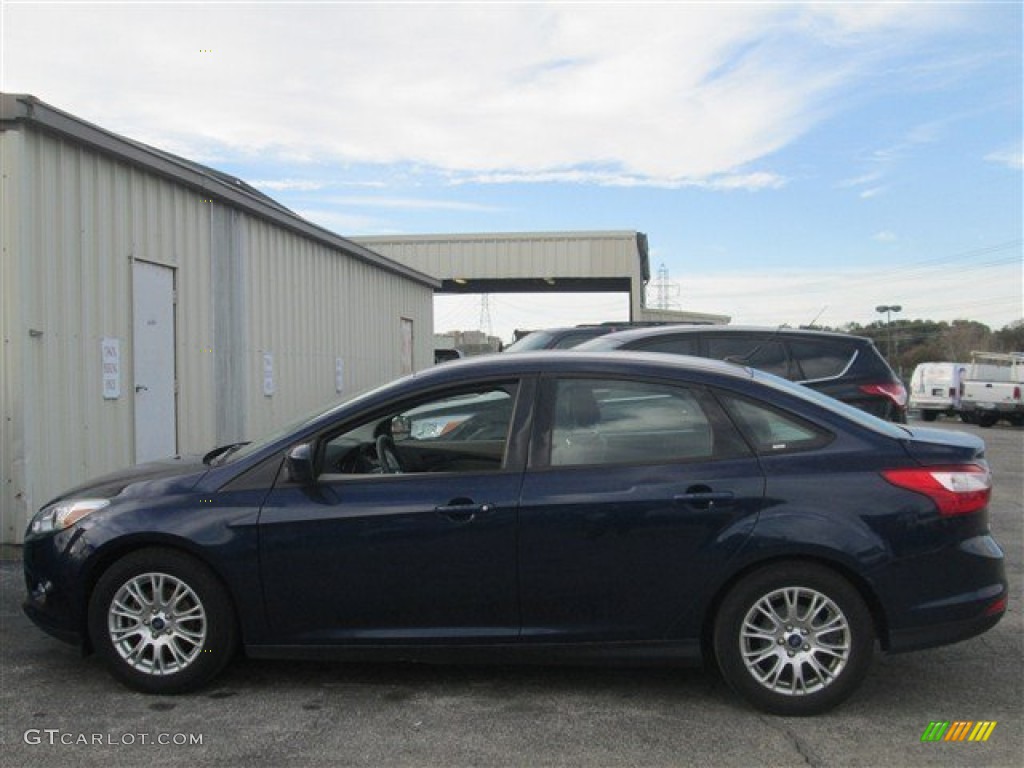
157	624
795	641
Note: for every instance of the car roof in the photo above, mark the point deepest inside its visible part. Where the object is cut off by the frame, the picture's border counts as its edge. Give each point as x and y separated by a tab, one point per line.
573	361
672	330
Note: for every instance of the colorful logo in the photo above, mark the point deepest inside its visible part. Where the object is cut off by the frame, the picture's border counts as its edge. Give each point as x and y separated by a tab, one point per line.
958	730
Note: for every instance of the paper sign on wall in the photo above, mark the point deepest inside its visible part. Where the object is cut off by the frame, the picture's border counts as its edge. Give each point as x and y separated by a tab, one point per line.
268	374
111	361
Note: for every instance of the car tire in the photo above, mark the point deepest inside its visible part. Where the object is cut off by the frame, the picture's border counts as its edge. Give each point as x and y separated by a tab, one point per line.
987	419
794	639
162	622
929	415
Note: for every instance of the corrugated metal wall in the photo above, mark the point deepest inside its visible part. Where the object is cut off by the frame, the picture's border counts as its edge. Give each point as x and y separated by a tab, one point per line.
311	310
73	221
519	256
524	255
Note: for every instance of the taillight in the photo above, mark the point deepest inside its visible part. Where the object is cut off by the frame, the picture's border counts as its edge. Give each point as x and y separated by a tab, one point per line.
1016	393
891	389
958	490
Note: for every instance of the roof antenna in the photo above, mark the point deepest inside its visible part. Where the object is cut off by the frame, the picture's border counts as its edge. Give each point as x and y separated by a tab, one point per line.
822	312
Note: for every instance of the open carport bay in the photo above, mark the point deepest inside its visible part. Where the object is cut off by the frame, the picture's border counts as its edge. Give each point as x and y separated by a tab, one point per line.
59	709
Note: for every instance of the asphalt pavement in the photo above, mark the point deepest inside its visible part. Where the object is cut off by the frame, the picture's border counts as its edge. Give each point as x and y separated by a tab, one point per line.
60	709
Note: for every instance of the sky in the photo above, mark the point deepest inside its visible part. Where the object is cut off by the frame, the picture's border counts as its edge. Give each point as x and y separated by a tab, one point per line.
788	162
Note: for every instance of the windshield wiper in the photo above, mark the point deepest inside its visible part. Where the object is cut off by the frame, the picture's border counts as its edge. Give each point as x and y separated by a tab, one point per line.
222	452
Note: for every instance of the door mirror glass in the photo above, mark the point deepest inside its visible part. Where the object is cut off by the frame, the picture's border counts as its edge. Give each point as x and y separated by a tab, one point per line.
300	464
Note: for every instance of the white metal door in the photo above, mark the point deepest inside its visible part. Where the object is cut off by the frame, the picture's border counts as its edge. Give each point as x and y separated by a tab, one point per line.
153	353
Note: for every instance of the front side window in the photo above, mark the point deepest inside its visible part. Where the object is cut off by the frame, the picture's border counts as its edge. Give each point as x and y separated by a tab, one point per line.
599	422
466	431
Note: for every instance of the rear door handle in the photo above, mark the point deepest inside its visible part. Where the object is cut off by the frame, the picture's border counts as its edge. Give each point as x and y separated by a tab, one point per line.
706	499
462	510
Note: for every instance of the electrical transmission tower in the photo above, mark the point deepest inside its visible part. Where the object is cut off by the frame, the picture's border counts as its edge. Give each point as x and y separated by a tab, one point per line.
666	293
486	325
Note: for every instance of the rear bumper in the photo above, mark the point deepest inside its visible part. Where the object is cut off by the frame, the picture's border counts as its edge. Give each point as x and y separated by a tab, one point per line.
970	407
917	638
947	595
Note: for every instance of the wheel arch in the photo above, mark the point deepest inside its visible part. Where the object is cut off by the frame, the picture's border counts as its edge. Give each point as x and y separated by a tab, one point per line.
115	550
863	587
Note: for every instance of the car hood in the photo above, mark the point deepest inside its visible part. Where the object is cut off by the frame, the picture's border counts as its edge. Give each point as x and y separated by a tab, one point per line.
181	473
935	446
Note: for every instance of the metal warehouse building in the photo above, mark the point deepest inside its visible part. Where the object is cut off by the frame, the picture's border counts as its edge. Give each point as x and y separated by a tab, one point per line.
540	262
153	306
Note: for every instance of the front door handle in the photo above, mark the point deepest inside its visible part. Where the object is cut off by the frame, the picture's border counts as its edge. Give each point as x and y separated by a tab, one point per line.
462	510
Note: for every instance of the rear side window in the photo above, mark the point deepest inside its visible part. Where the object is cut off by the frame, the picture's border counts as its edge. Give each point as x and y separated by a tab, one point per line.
819	360
765	354
770	430
598	422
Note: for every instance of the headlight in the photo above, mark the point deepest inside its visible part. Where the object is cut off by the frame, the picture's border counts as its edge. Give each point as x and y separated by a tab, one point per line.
63	514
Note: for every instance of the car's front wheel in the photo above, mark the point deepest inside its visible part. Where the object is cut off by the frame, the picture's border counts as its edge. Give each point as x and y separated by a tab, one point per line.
794	639
162	621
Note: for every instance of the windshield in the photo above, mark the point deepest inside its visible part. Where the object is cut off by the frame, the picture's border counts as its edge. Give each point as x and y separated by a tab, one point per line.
598	343
242	450
531	342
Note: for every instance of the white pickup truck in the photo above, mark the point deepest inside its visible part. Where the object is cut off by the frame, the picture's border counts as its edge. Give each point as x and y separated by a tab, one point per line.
992	389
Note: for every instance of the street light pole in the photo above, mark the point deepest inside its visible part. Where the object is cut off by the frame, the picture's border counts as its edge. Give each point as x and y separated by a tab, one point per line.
888	309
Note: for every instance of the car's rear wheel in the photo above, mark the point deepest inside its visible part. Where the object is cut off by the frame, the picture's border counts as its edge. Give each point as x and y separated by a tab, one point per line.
162	621
929	415
794	639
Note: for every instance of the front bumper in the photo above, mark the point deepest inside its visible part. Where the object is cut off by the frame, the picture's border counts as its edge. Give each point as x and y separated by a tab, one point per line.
55	601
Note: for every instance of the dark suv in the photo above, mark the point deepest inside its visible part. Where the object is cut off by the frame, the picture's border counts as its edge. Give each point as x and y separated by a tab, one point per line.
567	338
848	368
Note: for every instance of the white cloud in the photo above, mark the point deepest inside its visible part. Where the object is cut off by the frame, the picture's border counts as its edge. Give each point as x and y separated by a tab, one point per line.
1011	157
748	181
885	236
289	185
667	94
343	223
412	203
938	292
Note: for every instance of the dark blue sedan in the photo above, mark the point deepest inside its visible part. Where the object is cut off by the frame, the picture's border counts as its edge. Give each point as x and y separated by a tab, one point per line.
550	507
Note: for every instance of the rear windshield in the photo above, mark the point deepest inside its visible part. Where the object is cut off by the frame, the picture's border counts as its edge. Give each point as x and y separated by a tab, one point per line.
862	418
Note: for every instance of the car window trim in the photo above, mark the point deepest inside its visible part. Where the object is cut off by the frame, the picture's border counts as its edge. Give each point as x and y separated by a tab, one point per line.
539	459
512	462
841	374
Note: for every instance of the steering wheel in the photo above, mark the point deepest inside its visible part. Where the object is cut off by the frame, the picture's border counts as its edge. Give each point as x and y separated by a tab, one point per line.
387	456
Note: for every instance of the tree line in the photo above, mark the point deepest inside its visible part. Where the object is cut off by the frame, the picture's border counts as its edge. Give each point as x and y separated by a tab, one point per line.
907	343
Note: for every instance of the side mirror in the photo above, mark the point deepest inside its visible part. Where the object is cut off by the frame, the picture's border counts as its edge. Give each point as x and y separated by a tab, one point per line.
299	463
401	428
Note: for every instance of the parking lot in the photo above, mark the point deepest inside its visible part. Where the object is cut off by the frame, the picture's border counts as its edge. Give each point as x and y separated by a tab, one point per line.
60	709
